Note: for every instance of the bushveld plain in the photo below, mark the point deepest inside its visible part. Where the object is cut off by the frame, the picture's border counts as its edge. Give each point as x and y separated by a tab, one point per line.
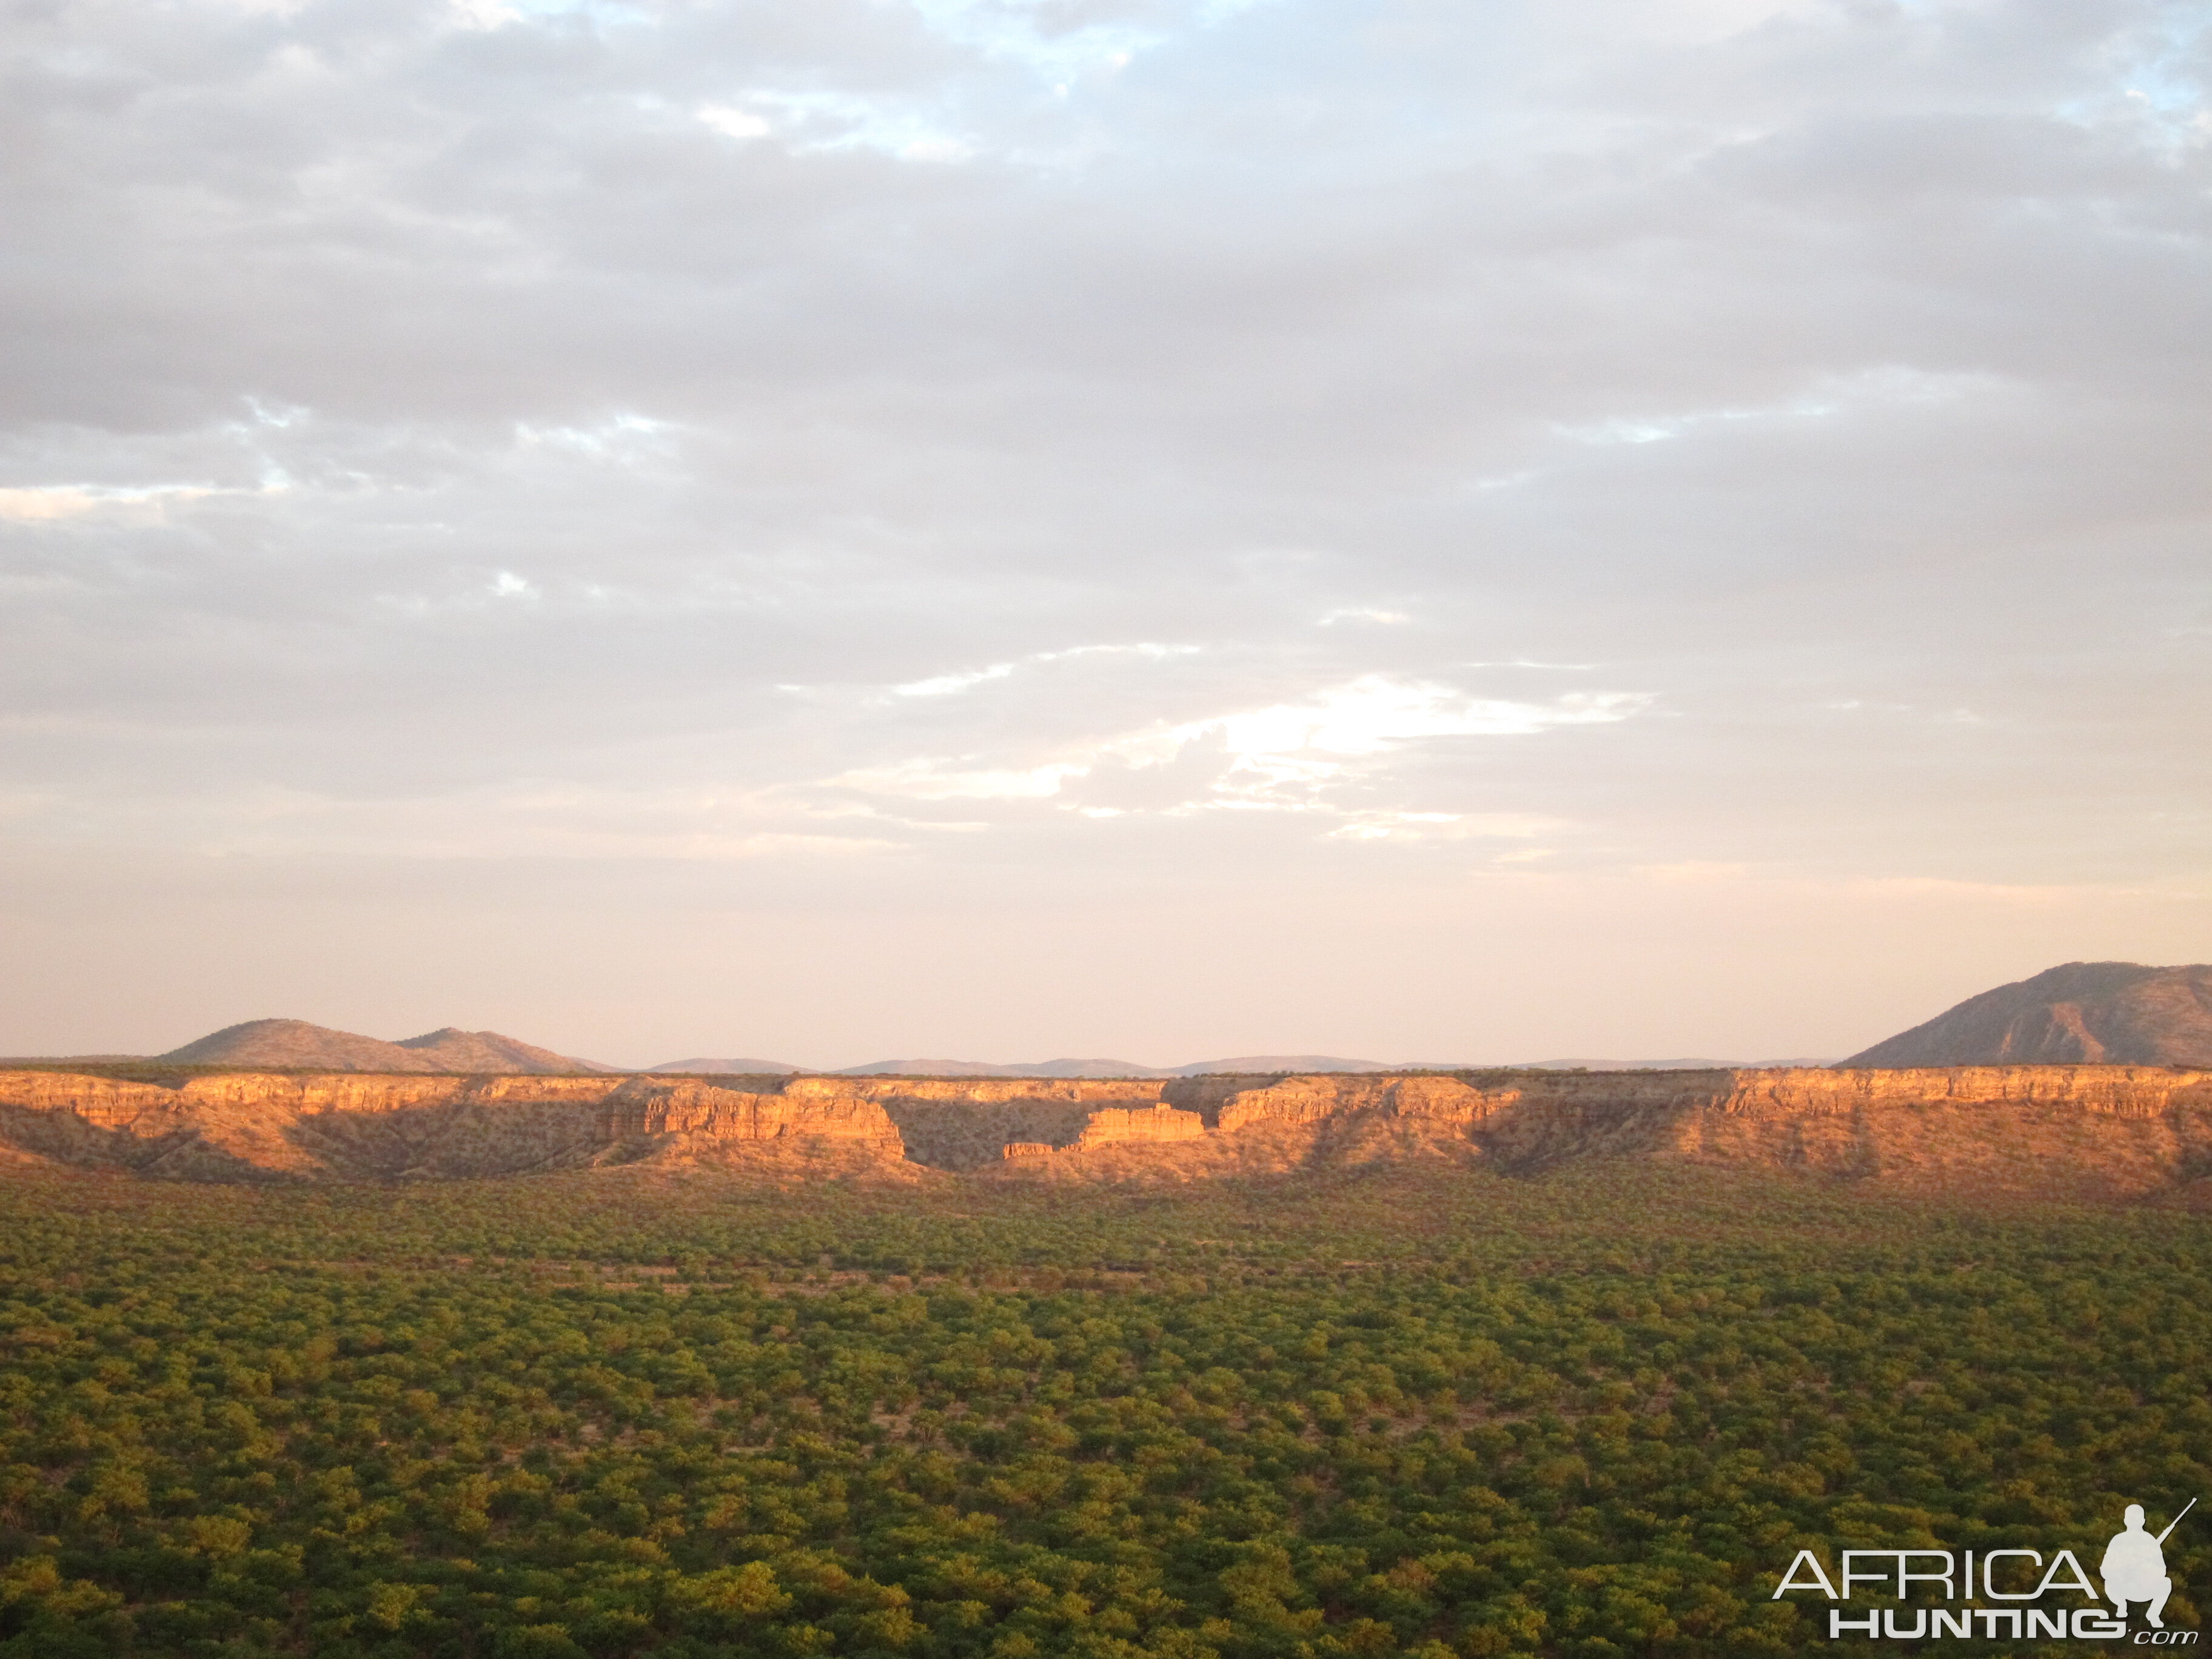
1392	1394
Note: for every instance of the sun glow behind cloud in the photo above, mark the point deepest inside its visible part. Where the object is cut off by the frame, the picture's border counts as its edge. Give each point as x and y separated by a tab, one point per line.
1283	756
48	502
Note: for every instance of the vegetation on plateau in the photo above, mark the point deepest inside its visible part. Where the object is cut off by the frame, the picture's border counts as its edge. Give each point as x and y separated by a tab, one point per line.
1414	1412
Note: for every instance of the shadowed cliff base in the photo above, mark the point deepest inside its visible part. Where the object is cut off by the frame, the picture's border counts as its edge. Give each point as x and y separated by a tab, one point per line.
2102	1133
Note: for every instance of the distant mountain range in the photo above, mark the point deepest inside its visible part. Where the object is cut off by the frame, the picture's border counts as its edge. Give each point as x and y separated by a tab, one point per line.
1240	1063
298	1045
2109	1013
1105	1067
2081	1012
1669	1065
705	1066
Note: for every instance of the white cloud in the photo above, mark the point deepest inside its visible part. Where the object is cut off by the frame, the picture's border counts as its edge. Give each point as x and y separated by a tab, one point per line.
1278	758
958	780
485	14
49	501
1146	649
34	503
1037	37
826	121
734	123
1449	826
627	438
1313	742
941	685
1882	385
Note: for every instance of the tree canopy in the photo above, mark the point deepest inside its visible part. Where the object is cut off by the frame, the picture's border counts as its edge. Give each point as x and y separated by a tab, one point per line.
1419	1414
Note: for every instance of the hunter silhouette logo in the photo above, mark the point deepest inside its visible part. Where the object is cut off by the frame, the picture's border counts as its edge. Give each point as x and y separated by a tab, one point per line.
2133	1567
2133	1571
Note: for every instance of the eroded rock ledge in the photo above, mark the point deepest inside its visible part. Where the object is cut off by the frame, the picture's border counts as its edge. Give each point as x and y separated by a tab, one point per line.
2088	1131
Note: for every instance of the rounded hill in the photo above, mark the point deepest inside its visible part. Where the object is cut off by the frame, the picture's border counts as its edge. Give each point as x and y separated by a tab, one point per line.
2111	1013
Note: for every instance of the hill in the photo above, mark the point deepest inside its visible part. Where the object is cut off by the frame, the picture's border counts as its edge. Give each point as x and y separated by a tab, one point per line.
297	1045
290	1043
294	1045
1243	1063
452	1050
2115	1013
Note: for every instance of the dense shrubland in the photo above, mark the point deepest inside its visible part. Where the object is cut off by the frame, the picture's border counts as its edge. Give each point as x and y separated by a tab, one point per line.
1419	1413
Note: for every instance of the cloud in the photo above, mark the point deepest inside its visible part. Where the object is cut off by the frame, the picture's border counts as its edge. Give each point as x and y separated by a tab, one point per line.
1158	439
40	502
826	122
1451	826
736	123
939	685
1287	756
1375	714
50	503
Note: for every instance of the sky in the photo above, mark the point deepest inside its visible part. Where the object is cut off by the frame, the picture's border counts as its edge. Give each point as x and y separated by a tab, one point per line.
827	530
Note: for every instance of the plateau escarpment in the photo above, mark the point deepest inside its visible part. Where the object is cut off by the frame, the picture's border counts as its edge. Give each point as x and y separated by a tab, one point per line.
2088	1130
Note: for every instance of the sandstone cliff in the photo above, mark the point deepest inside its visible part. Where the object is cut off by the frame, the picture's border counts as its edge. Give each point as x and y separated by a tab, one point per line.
2091	1131
356	1126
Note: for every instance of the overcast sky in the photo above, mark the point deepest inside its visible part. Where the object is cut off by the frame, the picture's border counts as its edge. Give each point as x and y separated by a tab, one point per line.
1462	530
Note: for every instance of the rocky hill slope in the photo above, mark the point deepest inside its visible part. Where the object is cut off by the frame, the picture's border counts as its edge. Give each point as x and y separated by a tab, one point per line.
295	1044
2097	1132
450	1049
2084	1012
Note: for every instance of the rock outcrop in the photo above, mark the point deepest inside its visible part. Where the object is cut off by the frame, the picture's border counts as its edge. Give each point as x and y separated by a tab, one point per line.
695	1115
248	1126
2082	1131
2113	1013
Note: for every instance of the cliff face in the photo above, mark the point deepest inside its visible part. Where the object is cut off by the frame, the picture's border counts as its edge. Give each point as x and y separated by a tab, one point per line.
693	1118
2088	1131
2099	1131
249	1127
2084	1012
